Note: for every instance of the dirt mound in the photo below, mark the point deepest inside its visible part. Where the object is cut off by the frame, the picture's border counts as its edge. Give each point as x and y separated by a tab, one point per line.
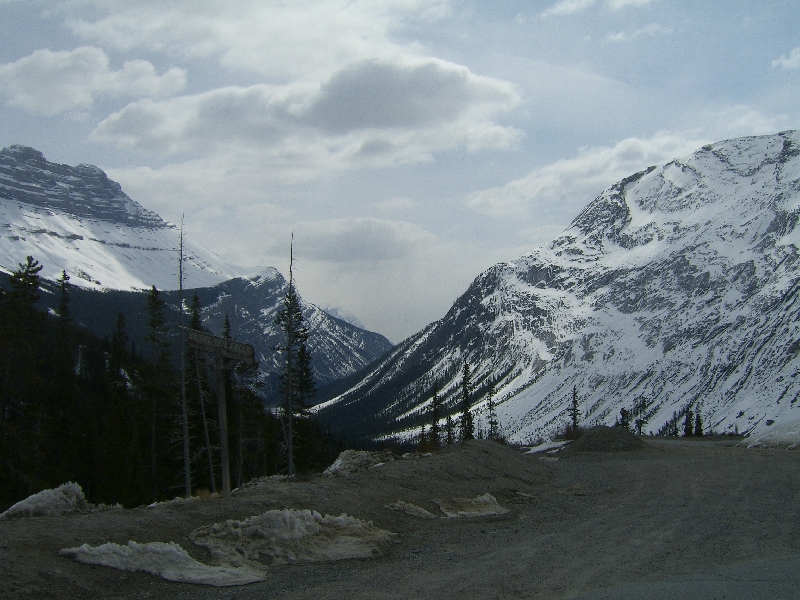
606	439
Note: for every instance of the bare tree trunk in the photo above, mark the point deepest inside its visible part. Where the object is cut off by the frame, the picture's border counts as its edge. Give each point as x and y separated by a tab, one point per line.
223	428
239	458
205	426
153	449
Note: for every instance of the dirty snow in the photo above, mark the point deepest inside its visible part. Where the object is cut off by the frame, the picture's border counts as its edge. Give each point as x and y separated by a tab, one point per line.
482	506
411	509
66	499
168	561
291	536
353	461
546	446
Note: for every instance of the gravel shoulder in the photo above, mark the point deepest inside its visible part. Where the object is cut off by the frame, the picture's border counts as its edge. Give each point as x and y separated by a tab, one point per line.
578	523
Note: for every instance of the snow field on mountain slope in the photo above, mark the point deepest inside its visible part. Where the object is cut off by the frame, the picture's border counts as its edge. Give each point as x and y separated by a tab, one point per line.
104	255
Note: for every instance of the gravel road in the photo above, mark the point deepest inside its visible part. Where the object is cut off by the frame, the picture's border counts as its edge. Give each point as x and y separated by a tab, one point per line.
578	523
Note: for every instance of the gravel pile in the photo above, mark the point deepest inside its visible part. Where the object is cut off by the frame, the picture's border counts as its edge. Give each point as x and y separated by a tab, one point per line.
606	439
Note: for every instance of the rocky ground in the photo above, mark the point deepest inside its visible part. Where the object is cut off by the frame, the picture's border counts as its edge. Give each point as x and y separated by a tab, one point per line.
577	522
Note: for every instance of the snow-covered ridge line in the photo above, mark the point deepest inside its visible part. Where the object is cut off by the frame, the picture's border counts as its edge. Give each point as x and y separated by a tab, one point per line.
677	284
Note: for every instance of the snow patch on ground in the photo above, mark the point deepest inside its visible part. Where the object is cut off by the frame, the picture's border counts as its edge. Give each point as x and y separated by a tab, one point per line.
545	447
66	499
482	506
411	509
291	536
168	561
353	461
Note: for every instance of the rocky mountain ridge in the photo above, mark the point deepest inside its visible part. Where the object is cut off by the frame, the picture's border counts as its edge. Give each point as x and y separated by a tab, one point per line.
77	219
677	286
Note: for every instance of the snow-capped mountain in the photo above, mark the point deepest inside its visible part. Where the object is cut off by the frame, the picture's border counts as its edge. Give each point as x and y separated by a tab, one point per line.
677	285
77	219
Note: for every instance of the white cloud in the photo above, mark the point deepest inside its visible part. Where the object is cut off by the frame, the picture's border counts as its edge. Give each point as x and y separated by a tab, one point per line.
365	114
571	7
788	63
278	39
568	7
620	4
651	30
48	82
576	181
359	240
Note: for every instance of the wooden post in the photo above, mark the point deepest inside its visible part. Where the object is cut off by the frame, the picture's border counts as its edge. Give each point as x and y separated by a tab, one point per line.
223	426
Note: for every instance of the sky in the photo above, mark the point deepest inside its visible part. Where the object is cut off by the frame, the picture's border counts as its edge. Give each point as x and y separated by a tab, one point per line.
408	144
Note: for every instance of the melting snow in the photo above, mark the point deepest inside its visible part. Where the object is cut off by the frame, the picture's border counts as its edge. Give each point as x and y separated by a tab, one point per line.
482	506
352	461
66	499
411	509
294	536
168	561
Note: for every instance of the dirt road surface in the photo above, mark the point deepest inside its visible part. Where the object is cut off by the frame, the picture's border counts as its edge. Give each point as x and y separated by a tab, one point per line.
578	524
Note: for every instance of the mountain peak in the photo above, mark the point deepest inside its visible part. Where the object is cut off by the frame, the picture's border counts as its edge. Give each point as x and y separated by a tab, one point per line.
84	191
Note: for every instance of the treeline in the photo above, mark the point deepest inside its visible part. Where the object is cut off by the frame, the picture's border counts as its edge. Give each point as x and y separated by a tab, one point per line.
107	415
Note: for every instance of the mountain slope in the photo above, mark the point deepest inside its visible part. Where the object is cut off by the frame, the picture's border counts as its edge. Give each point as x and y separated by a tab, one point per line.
78	220
677	284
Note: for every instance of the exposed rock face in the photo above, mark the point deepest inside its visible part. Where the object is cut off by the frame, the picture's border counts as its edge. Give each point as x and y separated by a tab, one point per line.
84	191
677	285
77	219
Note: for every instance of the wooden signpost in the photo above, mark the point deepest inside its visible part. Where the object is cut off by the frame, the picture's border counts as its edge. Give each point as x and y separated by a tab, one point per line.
226	354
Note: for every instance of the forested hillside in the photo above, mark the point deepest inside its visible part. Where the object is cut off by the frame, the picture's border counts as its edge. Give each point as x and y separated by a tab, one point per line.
107	414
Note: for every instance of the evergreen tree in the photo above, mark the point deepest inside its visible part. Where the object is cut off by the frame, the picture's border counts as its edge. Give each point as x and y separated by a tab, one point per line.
573	410
25	284
467	424
688	423
436	415
158	376
449	428
493	432
63	302
290	320
698	425
624	418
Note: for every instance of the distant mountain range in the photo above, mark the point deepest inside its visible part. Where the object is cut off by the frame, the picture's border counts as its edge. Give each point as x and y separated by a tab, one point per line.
77	219
677	286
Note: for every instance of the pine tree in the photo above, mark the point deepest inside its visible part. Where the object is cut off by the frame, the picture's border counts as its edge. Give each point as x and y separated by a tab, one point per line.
467	424
25	284
494	432
157	384
436	414
63	302
698	425
573	410
290	320
624	418
688	423
449	428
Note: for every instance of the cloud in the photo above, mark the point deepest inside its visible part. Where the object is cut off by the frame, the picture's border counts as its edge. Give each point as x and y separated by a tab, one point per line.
368	113
576	181
47	82
788	63
277	39
651	30
571	7
359	240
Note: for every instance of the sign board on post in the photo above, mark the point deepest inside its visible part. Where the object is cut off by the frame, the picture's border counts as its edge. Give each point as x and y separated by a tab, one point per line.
226	347
221	348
